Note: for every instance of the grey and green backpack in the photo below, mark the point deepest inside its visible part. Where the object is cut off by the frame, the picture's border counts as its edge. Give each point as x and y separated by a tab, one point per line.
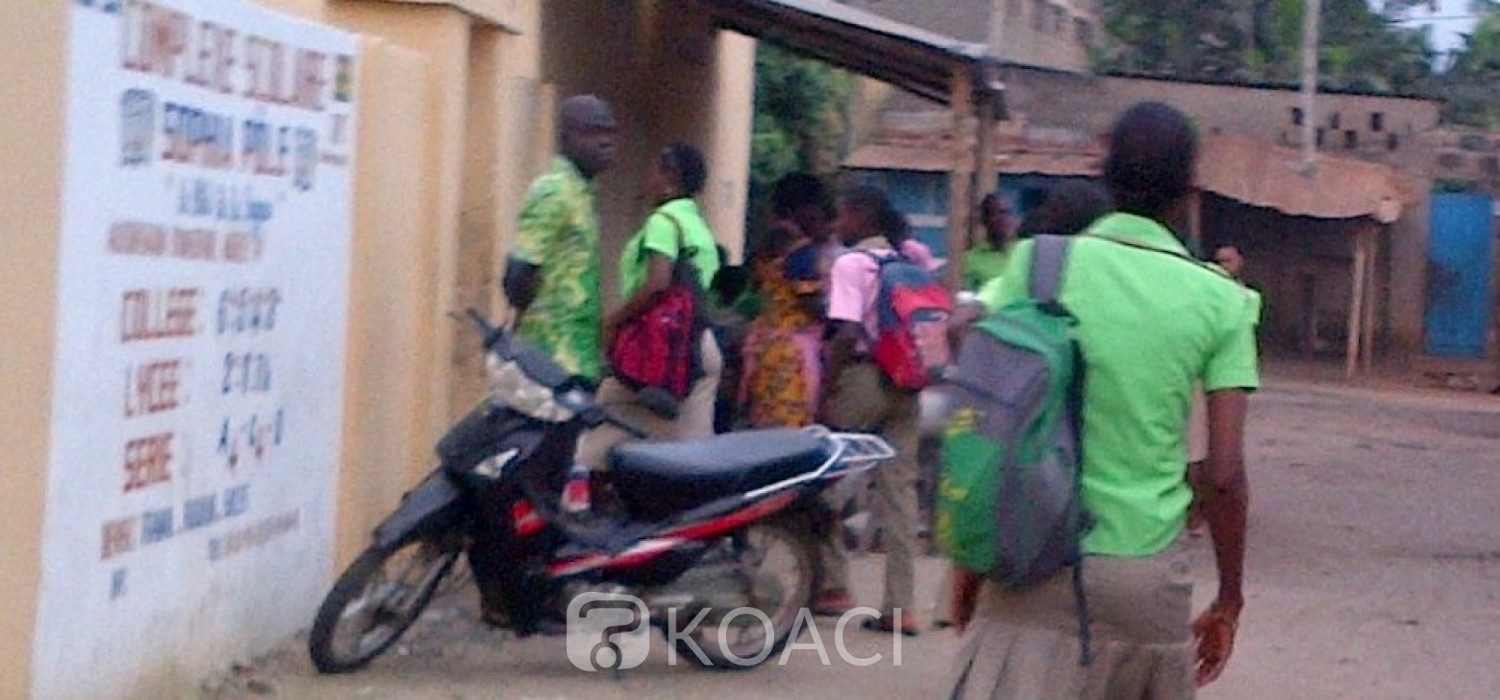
1010	498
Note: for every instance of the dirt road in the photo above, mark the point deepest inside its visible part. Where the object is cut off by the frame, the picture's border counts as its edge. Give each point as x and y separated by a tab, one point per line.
1374	573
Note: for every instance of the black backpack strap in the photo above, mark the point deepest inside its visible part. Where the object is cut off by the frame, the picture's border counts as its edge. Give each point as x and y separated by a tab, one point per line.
1081	608
682	246
1048	260
883	260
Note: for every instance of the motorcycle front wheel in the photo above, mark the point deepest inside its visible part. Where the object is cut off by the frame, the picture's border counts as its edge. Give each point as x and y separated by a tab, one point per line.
377	599
776	564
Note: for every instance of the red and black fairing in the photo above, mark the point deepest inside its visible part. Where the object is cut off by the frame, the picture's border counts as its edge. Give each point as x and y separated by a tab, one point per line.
684	494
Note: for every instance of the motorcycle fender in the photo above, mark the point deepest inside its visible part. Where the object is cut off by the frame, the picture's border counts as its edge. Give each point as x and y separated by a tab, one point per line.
434	505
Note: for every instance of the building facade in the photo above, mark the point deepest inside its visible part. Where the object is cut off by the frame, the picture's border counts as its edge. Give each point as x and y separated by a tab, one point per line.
450	112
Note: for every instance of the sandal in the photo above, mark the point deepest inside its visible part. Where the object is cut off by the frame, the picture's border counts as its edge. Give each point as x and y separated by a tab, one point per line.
834	603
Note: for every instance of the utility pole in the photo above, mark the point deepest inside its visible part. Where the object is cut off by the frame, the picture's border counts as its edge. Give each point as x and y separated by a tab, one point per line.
1311	15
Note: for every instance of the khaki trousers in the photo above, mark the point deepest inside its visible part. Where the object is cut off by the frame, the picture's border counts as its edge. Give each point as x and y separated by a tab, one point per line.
865	401
695	414
1024	644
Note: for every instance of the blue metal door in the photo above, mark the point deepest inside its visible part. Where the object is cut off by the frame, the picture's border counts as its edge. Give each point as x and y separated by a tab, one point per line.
1460	252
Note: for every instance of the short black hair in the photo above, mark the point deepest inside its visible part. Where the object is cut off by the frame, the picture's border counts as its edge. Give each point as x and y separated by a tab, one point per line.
687	163
1068	209
872	201
1152	152
796	190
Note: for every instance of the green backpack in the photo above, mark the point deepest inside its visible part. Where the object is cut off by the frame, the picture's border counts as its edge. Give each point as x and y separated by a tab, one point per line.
1010	501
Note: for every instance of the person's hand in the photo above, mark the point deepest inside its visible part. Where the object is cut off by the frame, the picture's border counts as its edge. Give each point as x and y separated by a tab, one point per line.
1214	632
965	596
961	320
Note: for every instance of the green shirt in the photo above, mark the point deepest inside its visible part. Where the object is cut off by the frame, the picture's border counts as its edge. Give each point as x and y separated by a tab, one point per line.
1150	325
659	235
983	263
559	233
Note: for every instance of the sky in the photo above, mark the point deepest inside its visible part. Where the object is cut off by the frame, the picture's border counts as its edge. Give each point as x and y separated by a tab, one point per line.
1451	19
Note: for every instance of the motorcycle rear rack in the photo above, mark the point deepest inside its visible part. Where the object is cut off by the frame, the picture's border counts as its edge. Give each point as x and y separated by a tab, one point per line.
860	449
849	453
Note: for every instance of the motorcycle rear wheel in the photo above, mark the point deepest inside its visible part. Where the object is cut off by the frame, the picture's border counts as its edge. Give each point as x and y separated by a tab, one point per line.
375	601
780	596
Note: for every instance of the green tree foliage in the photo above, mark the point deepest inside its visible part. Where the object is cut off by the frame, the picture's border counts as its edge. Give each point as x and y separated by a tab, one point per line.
799	115
1360	47
1472	84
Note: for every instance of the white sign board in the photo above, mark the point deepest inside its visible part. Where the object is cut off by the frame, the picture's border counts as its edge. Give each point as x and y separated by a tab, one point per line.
200	341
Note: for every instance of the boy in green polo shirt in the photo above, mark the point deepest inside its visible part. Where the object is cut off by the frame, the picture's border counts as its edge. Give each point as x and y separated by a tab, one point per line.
988	258
1151	322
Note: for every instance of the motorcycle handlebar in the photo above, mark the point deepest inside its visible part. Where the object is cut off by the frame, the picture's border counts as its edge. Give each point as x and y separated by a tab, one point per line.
601	415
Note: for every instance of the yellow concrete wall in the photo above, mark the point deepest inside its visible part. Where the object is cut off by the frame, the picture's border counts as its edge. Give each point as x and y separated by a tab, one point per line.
505	13
457	105
524	123
390	298
31	144
441	35
306	9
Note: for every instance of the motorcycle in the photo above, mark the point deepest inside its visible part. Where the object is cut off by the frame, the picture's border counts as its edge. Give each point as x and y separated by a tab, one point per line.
699	528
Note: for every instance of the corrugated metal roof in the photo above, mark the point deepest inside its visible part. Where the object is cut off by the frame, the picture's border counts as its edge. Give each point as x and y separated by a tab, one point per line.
1244	169
908	57
1258	173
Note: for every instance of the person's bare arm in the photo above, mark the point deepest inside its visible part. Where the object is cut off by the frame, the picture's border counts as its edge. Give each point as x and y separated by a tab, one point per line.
1226	504
962	320
521	282
965	597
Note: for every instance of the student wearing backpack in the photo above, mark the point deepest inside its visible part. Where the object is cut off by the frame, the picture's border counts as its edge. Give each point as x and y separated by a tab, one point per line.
1150	322
861	396
673	234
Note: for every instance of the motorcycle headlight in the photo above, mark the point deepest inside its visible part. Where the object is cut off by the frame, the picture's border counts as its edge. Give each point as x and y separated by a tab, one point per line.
510	387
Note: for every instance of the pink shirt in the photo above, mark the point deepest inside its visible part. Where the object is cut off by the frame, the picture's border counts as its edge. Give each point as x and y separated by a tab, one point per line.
854	281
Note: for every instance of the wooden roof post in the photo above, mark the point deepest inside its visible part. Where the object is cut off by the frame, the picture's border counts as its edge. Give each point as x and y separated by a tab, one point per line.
987	172
960	178
1372	294
1357	301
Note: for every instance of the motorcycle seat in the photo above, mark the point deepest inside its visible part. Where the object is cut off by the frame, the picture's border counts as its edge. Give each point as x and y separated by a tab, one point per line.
659	479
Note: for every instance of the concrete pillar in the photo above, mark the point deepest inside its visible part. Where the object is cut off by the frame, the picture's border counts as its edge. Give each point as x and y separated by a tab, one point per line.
31	204
441	35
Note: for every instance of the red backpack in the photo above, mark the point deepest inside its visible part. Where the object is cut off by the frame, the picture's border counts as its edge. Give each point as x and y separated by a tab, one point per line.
659	348
912	310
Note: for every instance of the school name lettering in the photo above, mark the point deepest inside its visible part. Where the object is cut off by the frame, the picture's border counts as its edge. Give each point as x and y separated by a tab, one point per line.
121	536
148	461
143	239
154	387
206	139
154	314
172	44
253	536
